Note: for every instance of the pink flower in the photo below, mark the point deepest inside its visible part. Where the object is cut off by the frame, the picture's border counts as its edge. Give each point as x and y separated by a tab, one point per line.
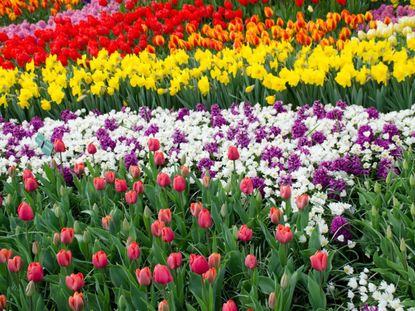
319	261
133	251
244	233
174	260
246	186
162	275
250	261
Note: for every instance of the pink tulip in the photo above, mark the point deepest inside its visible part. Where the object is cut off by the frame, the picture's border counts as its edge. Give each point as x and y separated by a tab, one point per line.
131	197
167	234
204	219
133	251
285	192
64	258
244	233
35	272
165	215
153	144
143	276
99	260
198	264
67	235
302	201
76	302
75	281
230	305
283	234
179	183
25	212
246	186
15	264
250	261
174	260
233	153
163	180
319	261
162	275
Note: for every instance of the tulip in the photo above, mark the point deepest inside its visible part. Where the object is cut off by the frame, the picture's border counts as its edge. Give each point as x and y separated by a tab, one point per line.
246	186
15	264
275	215
214	260
134	171
27	174
59	146
120	185
35	272
271	300
138	187
165	215
30	184
162	275
179	183
1	200
195	208
198	264
285	192
319	261
11	170
299	2
143	276
106	222
210	275
157	227
5	254
233	153
25	212
76	302
163	180
302	201
64	258
79	168
75	281
163	305
153	144
3	302
244	233
250	261
184	170
159	158
131	197
205	181
56	238
174	260
268	12
230	305
99	260
167	234
67	235
133	251
91	148
283	234
99	183
204	219
109	177
30	289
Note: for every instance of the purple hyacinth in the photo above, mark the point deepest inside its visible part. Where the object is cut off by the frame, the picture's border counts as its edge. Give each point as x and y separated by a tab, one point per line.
67	174
105	140
36	123
110	124
260	134
179	137
270	153
205	165
335	114
299	129
200	107
372	113
318	137
153	129
366	307
279	107
391	130
216	117
58	133
364	135
67	115
341	104
318	110
145	113
182	113
293	163
211	148
340	227
130	159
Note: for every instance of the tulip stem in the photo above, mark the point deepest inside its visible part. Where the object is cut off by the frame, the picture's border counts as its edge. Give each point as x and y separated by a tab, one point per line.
207	240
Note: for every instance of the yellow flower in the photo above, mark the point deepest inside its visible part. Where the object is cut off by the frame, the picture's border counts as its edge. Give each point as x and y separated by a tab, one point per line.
249	88
203	85
45	104
379	73
3	101
270	99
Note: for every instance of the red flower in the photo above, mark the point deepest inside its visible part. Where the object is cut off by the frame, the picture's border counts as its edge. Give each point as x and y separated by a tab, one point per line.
120	185
198	264
143	276
79	168
163	180
174	260
67	235
35	272
138	187
302	201
153	144
210	275
76	302
204	219
299	2
3	302
157	227
179	183
75	281
26	173
283	234
162	275
99	260
133	251
163	305
250	261
134	171
131	197
5	254
109	177
165	215
15	264
230	305
59	146
244	233
275	215
159	159
195	208
319	261
99	183
167	234
233	153
214	260
246	185
285	192
64	258
30	184
91	148
342	2
25	212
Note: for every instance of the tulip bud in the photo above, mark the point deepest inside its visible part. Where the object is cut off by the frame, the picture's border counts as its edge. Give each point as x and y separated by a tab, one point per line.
30	289
396	203
62	191
367	184
8	199
125	226
405	164
134	171
86	237
224	210
3	302
147	212
402	246
378	188
205	181
35	248
412	180
184	170
413	210
163	305
76	226
271	301
91	148
56	238
95	208
389	233
389	178
284	281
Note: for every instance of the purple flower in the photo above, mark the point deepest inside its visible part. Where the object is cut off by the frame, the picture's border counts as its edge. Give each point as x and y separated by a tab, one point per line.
299	129
179	137
110	124
279	107
318	137
366	307
211	148
318	110
340	227
153	129
145	113
36	123
205	165
293	163
67	174
372	113
182	113
130	159
58	133
200	107
67	115
270	153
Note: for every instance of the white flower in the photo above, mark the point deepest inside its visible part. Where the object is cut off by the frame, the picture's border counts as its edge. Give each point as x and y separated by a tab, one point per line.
352	283
348	270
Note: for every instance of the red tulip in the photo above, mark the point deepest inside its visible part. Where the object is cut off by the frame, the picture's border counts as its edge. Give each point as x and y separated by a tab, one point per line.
153	144
67	235
230	305
133	251
3	302
5	254
319	261
195	208
91	148
64	258
15	264
174	260
210	275
302	201
143	276
342	2
134	171
179	183
11	170
246	186
162	275
233	153
283	234
59	146
244	233
30	184
138	187
167	234
285	192
109	176
76	302
120	185
163	180
204	219
157	227
99	183
1	201
163	305
159	158
275	215
26	174
99	260
184	170
35	272
75	281
131	197
299	2
25	212
214	260
105	221
271	300
198	264
250	261
165	215
79	168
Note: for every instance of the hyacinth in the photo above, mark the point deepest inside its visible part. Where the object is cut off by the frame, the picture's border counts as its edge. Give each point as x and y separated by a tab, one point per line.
340	227
366	307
